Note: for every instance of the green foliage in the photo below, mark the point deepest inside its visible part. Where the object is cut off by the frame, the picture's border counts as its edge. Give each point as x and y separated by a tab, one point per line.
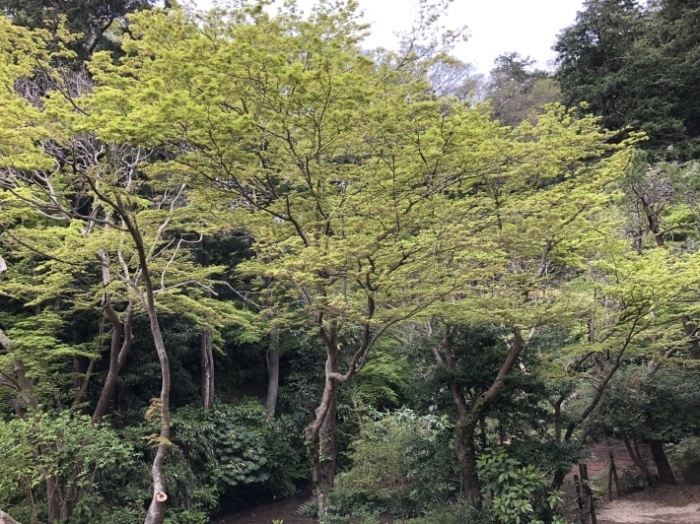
634	64
644	405
339	193
518	93
550	456
685	452
225	451
511	487
98	22
383	381
287	461
456	514
398	464
43	445
224	447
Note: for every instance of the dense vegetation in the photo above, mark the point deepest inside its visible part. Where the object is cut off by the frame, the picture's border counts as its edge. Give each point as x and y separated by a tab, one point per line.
241	254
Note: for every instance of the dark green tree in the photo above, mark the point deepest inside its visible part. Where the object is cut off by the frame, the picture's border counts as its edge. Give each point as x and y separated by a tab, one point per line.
98	21
612	59
673	24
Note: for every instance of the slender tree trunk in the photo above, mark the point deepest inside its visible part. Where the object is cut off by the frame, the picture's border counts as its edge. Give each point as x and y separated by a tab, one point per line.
206	354
639	461
156	511
118	351
273	371
483	432
80	368
661	460
207	364
653	221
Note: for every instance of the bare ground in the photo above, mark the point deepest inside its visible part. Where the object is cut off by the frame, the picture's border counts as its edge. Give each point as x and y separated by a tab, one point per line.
663	505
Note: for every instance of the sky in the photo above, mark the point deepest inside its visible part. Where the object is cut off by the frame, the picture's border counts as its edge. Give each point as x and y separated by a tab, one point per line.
494	26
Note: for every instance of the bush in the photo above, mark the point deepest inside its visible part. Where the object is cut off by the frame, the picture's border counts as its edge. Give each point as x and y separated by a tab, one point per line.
512	488
685	452
59	445
457	514
287	460
229	452
550	456
401	463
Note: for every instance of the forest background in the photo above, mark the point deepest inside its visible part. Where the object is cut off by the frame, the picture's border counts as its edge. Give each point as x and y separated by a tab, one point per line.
241	254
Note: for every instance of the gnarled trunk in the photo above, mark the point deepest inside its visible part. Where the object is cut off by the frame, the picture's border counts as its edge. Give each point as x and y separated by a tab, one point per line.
320	435
638	460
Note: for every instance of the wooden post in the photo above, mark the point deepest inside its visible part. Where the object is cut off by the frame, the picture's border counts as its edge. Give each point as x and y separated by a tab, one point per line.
590	503
579	500
610	476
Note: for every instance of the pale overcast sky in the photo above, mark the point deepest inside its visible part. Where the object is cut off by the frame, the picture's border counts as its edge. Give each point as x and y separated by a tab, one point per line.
495	26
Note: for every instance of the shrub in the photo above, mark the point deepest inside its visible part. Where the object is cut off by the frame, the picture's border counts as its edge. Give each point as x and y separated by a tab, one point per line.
401	463
59	445
456	514
231	450
511	487
685	452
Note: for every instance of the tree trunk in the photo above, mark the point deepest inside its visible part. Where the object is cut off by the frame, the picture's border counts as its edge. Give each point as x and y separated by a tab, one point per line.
639	461
53	499
207	365
5	518
118	351
273	371
661	460
80	368
468	419
206	354
470	477
557	417
320	434
156	511
464	433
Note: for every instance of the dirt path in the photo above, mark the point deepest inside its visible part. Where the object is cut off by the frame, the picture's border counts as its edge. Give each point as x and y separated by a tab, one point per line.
664	505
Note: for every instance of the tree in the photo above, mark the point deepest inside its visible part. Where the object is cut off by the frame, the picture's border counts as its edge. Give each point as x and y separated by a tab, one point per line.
547	204
518	93
93	20
111	214
634	66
